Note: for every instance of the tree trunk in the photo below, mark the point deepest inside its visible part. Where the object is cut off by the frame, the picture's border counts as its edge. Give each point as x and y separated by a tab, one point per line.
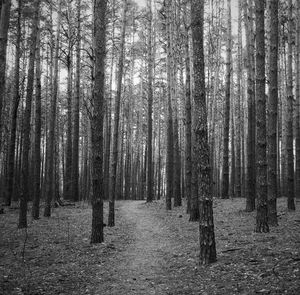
297	177
50	168
24	197
250	174
188	127
290	149
4	24
150	106
14	111
239	125
272	114
225	180
113	190
261	147
97	121
170	155
75	145
202	177
38	133
68	162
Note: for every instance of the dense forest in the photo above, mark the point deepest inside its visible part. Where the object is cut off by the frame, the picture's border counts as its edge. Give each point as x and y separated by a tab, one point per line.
180	101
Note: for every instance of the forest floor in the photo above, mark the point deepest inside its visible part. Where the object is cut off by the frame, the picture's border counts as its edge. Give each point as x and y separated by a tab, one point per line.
149	251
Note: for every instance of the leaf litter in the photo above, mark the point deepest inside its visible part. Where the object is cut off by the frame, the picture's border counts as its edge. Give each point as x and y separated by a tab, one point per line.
149	251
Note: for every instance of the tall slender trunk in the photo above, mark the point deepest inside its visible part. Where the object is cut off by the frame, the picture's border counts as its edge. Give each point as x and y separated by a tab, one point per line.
188	127
113	187
68	163
4	24
100	7
150	106
14	111
250	174
24	197
239	125
202	177
169	160
297	177
38	133
50	168
272	114
290	148
225	180
261	148
75	144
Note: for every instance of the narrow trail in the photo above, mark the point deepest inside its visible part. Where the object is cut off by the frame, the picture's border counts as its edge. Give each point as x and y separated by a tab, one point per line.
140	267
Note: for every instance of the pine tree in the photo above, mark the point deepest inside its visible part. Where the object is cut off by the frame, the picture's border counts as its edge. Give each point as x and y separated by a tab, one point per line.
202	177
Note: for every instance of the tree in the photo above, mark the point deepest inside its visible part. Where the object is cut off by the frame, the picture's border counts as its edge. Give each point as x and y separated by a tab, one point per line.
297	176
239	124
225	183
261	150
100	7
170	153
202	177
24	197
290	149
14	111
150	105
272	114
112	195
52	123
4	24
188	118
38	131
250	181
75	144
69	63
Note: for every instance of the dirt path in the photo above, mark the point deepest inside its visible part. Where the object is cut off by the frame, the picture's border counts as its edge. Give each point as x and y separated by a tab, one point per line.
140	267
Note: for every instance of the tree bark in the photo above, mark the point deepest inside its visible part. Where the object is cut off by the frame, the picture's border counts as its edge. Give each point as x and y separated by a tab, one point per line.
272	115
24	197
150	106
250	174
14	111
38	134
75	144
239	125
100	7
188	127
4	24
297	176
261	147
290	149
202	177
113	187
225	182
50	167
170	155
68	160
